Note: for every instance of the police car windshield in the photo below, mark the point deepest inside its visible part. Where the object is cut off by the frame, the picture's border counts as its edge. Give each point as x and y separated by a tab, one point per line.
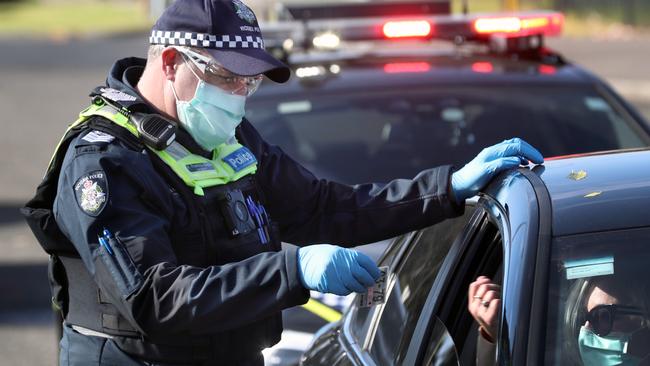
380	135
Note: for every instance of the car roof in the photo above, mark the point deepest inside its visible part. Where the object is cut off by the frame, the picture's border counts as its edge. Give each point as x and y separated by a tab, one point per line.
357	72
598	192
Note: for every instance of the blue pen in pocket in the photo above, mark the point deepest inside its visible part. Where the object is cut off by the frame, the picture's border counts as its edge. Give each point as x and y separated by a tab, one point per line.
103	242
119	263
107	234
256	217
265	220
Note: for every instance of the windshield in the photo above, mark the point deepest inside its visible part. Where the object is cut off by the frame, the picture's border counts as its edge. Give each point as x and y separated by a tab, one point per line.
599	299
361	136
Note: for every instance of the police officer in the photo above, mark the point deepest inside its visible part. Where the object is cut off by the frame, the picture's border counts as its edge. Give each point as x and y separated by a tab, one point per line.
163	209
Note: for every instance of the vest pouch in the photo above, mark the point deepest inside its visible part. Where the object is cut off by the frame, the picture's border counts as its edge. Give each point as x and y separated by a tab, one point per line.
120	278
47	232
121	267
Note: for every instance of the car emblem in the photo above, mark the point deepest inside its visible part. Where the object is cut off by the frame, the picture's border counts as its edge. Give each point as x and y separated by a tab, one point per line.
244	12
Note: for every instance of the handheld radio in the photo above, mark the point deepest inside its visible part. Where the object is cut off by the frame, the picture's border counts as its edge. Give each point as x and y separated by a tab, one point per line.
155	130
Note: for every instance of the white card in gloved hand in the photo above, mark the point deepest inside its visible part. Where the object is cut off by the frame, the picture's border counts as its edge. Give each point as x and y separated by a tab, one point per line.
377	294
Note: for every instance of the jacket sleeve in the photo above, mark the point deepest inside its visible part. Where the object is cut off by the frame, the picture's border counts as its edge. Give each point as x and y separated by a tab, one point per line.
312	210
115	188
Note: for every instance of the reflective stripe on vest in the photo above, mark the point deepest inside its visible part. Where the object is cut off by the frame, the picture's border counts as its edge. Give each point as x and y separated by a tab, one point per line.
230	161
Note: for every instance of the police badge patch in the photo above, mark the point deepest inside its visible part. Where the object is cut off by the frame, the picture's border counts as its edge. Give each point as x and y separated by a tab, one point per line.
91	192
243	11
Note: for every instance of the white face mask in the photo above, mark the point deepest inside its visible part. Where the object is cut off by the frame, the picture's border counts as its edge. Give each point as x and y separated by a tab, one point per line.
212	115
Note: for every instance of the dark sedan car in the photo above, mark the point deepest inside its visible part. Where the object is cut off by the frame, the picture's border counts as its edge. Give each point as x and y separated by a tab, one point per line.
569	242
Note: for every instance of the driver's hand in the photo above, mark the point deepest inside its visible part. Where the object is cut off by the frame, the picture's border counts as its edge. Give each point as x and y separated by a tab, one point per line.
484	303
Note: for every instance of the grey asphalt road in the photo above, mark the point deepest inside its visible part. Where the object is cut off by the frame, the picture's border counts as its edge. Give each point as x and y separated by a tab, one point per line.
42	87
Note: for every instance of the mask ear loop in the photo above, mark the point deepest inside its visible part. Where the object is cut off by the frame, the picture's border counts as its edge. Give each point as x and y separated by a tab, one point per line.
193	73
173	90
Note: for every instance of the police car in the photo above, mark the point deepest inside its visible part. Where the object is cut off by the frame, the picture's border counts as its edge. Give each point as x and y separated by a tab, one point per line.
556	237
376	98
384	90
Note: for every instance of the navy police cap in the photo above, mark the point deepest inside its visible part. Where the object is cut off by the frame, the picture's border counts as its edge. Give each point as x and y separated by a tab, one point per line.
227	29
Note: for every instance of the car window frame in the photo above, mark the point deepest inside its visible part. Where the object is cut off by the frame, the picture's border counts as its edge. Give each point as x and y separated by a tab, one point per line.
539	296
488	212
495	204
417	348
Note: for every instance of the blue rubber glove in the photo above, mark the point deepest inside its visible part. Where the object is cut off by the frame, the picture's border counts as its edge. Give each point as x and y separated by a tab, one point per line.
328	268
488	163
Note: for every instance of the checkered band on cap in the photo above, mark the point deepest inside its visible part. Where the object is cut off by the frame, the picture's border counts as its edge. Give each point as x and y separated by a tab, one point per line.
168	38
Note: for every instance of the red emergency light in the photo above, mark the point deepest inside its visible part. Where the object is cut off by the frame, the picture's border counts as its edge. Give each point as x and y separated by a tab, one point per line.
407	29
406	67
548	24
547	69
482	67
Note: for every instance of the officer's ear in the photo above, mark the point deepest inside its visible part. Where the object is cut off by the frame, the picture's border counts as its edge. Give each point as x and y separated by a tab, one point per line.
170	61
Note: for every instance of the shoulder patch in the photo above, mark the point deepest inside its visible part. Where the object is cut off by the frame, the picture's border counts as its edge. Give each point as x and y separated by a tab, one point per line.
98	136
91	192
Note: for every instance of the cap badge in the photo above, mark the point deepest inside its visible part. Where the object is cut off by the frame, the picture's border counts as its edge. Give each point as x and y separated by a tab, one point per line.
244	12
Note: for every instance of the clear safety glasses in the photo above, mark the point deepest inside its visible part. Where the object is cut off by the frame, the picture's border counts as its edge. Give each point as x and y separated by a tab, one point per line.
217	75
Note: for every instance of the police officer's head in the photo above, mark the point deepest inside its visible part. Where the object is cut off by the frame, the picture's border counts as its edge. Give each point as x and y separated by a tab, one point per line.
206	42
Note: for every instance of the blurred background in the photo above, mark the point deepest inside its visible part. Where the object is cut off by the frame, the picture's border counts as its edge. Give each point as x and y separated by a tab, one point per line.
53	52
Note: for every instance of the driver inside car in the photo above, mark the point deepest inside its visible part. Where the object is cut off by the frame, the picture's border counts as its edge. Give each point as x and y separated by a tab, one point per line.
606	319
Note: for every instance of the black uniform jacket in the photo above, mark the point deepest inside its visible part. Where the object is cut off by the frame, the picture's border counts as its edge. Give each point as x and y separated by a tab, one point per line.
104	184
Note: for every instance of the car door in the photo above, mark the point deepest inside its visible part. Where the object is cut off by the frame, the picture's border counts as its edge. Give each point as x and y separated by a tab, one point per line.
502	244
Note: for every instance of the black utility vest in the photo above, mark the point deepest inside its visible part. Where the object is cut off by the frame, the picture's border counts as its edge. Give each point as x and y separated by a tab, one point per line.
205	241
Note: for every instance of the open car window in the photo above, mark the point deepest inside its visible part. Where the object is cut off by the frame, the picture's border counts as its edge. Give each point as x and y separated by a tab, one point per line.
480	253
408	287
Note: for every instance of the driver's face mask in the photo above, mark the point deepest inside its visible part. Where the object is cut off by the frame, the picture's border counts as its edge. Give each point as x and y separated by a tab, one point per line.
611	349
212	115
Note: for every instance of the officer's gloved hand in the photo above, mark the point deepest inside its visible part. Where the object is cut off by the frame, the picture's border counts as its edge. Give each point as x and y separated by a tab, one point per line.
488	163
328	268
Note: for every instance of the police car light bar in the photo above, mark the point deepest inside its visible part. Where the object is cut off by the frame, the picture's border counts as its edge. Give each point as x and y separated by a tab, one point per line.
486	28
